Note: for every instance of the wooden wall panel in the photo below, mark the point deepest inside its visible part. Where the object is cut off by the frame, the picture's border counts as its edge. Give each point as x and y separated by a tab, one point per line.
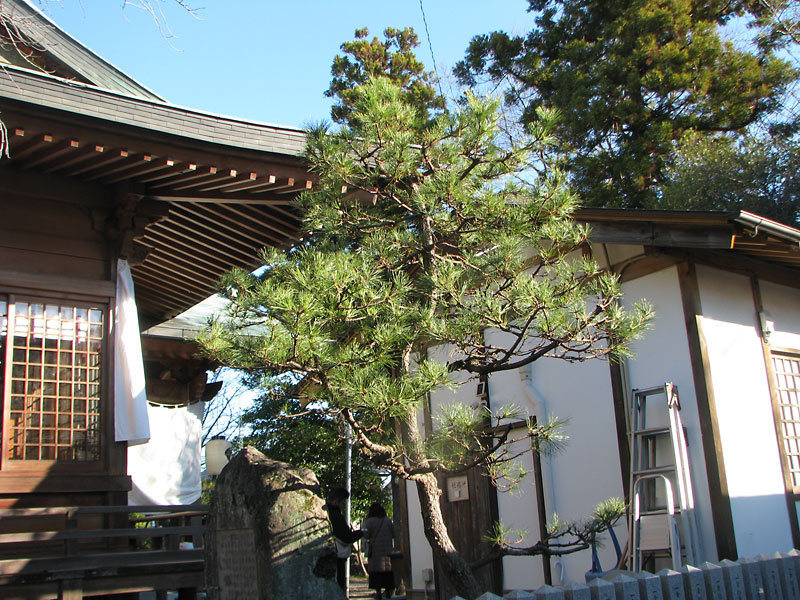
52	242
48	237
469	522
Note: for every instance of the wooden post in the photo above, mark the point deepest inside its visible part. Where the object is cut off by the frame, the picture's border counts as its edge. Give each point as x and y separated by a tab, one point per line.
187	594
71	545
70	589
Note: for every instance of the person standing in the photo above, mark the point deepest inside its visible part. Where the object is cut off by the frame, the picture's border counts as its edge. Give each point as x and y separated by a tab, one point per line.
342	534
380	538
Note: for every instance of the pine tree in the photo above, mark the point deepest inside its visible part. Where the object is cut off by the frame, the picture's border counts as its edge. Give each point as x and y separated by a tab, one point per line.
416	238
393	58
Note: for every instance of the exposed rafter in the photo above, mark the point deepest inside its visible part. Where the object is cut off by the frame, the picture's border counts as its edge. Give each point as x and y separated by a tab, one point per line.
215	191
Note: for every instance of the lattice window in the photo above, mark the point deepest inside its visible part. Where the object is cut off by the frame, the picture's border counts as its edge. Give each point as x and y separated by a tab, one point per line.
52	376
787	383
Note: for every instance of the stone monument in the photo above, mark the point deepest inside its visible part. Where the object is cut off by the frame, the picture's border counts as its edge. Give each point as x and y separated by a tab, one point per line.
267	534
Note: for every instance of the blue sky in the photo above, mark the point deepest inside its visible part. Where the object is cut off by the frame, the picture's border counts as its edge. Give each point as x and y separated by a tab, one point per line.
264	60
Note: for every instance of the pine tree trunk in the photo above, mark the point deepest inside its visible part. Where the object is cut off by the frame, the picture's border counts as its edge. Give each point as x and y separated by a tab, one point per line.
444	552
445	555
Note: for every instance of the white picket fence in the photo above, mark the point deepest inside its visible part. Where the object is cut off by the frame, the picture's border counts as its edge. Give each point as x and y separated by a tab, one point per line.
761	578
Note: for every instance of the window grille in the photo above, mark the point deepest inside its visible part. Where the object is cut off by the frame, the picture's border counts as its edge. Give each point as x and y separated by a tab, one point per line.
51	373
787	385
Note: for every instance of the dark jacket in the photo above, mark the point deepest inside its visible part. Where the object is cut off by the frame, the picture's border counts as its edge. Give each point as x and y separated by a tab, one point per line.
340	528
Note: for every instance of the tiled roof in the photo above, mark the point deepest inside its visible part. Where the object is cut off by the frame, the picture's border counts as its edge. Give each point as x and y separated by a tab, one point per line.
42	90
68	56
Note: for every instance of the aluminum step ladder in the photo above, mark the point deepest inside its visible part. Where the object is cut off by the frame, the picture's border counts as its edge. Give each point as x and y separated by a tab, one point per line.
662	516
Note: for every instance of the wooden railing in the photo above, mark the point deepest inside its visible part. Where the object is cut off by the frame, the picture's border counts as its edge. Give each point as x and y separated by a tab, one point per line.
69	552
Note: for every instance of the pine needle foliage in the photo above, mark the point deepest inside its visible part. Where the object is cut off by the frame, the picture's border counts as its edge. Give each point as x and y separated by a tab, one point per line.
631	77
394	58
420	236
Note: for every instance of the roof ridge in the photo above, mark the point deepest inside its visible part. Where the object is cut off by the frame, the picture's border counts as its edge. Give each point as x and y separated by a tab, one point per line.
76	55
92	88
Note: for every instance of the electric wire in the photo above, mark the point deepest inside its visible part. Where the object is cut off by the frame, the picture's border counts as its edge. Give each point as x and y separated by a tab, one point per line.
430	47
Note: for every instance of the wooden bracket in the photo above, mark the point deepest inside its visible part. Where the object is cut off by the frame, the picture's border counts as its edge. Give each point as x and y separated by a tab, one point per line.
133	213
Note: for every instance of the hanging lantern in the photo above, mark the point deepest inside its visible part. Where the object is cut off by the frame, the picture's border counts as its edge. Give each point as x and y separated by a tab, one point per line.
216	455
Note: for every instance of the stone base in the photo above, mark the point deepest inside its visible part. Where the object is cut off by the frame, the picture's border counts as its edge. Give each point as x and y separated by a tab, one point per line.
268	535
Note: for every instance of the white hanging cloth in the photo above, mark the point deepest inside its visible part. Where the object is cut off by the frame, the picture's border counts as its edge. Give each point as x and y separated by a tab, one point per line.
166	470
131	422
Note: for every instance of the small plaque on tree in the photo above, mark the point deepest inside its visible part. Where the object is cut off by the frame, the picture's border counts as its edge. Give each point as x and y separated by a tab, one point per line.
457	488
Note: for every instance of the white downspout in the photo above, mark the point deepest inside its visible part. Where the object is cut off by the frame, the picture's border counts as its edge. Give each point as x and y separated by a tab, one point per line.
538	405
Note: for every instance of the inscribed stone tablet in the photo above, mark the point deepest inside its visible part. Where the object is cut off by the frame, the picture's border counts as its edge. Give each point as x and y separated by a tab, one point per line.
788	571
577	591
753	579
627	588
519	595
602	590
734	579
649	586
794	555
772	577
672	585
694	583
715	581
548	592
236	564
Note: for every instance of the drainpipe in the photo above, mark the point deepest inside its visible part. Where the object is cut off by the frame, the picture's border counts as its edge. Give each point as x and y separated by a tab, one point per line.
348	469
541	507
539	407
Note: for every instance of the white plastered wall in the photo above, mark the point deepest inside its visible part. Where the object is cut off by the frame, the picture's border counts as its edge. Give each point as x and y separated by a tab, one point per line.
662	356
517	509
588	469
585	472
576	478
744	406
782	311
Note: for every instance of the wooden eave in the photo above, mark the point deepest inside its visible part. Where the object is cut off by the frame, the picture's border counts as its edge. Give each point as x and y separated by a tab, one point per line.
166	349
210	191
736	240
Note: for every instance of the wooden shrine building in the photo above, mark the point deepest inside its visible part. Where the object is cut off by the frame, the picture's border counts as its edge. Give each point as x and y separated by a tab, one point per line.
97	169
